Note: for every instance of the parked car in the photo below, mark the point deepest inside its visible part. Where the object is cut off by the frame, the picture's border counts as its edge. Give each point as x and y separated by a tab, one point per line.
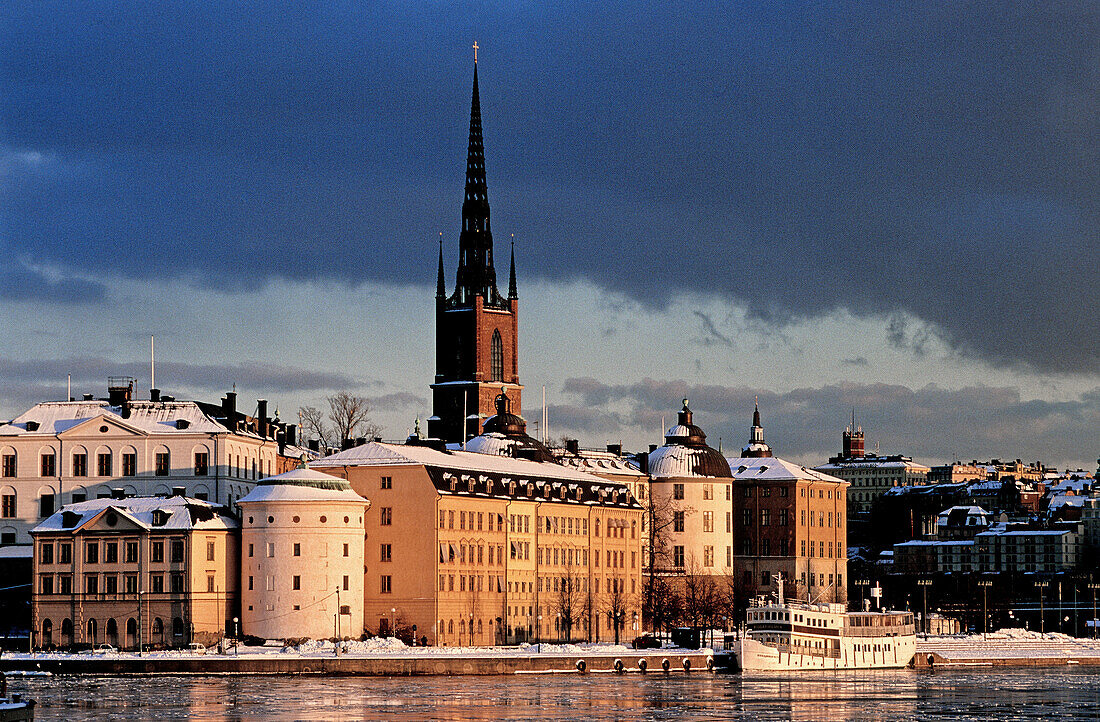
196	648
646	641
105	649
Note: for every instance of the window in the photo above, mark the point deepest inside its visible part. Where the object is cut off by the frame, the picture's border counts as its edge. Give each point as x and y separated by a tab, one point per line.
387	552
202	463
708	521
46	584
387	584
765	578
79	496
156	551
110	553
296	583
110	584
347	551
49	464
387	482
346	581
677	491
765	517
251	584
129	463
131	584
677	521
210	551
91	584
496	363
45	505
270	582
708	556
729	490
65	584
103	464
8	465
177	550
782	517
729	522
746	517
271	550
156	583
80	464
45	553
65	553
7	504
678	556
91	552
387	516
164	463
708	492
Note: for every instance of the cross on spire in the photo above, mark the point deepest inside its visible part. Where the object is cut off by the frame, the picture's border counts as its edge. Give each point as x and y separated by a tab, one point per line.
475	51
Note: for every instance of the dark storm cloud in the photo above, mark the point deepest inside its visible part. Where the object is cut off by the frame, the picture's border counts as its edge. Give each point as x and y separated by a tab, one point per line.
937	161
929	423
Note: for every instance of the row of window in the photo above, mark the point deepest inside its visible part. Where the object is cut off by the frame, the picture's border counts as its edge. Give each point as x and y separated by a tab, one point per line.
295	584
296	549
105	464
109	583
110	551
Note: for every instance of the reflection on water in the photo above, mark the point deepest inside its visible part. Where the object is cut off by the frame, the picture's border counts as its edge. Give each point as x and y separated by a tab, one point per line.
880	695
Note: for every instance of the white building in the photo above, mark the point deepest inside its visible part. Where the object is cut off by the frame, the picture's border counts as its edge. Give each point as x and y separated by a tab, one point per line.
302	549
64	452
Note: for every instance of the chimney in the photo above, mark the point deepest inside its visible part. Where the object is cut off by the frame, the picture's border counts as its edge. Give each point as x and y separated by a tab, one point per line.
88	397
179	491
616	449
262	420
360	440
119	390
118	493
291	434
573	446
154	394
229	406
643	462
314	445
346	444
652	448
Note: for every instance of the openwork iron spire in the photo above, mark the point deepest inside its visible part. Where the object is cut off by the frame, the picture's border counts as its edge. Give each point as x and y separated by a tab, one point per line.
441	282
476	274
512	292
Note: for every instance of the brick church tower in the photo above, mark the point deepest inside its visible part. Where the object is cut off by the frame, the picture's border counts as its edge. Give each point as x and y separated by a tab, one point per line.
476	327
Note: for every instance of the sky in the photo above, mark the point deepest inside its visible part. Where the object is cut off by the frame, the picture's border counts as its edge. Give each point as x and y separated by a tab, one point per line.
891	208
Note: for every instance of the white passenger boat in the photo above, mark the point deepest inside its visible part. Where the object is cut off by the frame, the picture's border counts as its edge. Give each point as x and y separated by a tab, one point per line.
783	636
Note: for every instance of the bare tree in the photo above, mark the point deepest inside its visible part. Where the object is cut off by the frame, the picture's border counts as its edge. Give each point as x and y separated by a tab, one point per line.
348	417
570	599
701	597
616	605
659	598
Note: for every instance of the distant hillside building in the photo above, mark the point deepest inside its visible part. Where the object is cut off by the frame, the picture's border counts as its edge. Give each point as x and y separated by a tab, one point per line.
870	475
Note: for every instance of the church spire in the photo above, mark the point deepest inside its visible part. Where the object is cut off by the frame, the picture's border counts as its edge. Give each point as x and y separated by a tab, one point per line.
476	274
512	292
441	282
757	447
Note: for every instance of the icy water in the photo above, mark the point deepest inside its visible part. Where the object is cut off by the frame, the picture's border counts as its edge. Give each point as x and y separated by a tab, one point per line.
1040	694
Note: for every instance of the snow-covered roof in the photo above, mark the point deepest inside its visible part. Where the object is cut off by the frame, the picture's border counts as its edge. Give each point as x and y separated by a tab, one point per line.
598	462
150	417
865	462
22	551
775	469
182	513
376	453
302	485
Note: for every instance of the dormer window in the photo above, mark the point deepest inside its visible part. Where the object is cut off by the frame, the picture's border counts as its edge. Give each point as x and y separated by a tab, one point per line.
530	490
160	517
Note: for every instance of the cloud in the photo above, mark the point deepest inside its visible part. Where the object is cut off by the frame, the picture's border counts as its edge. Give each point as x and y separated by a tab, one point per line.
23	284
712	334
399	400
929	423
937	164
31	381
856	361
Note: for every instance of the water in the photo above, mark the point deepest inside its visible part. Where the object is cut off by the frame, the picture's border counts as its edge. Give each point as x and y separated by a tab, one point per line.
1017	694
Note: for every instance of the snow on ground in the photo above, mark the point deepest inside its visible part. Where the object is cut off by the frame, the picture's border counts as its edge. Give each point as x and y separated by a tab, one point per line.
376	647
1009	643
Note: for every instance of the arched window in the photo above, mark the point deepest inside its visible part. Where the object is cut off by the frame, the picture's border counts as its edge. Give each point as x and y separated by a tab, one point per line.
496	359
66	631
7	504
158	631
177	627
131	632
47	633
112	632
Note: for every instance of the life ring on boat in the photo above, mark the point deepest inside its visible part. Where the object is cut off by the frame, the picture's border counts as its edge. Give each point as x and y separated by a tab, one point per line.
687	664
665	664
581	666
618	666
643	665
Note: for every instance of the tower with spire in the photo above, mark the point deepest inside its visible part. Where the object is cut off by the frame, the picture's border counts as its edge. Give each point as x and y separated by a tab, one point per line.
477	327
757	448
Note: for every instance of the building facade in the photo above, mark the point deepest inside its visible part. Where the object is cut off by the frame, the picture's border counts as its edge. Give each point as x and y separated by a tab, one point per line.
66	452
161	572
869	476
469	548
477	328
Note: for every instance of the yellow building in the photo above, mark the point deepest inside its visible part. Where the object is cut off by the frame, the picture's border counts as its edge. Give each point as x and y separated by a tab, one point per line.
485	548
160	571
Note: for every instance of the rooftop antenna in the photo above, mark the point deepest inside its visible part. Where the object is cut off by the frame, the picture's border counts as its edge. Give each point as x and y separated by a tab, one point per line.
152	364
545	438
69	387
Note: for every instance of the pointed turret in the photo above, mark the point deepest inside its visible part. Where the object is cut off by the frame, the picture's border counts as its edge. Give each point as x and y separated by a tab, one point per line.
512	292
757	447
441	282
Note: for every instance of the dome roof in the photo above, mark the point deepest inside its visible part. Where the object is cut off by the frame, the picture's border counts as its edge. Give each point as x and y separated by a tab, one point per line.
302	485
686	453
505	434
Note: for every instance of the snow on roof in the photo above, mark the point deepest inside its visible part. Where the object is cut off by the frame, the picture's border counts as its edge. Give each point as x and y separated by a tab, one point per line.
773	468
302	485
377	453
22	551
681	461
874	463
151	417
183	513
600	462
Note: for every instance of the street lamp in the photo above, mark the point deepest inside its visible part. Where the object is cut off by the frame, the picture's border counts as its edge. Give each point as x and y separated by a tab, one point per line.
236	636
393	621
1094	586
1042	616
985	584
924	584
863	584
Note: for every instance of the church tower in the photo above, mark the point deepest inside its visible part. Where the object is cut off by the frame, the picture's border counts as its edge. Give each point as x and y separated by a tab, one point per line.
476	328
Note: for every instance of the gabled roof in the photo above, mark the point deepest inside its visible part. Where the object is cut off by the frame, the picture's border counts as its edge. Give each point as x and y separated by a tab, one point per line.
149	417
181	514
772	468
